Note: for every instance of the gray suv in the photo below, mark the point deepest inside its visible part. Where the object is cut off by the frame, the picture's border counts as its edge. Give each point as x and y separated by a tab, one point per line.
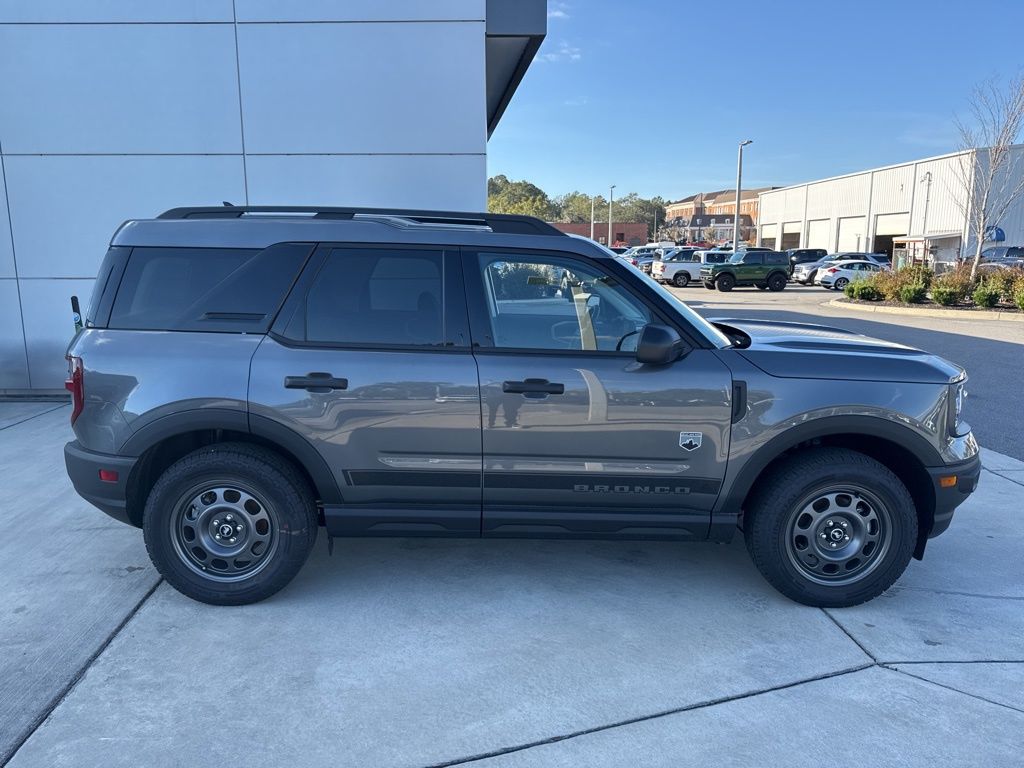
247	376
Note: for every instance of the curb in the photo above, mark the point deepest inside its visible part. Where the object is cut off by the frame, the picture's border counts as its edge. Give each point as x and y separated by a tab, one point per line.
947	314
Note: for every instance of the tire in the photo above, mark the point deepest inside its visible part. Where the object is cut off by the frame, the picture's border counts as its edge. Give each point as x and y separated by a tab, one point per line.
725	283
681	279
777	282
761	286
840	284
807	497
192	505
709	286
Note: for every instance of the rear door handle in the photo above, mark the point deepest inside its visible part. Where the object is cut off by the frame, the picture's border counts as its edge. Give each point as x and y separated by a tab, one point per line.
533	388
315	382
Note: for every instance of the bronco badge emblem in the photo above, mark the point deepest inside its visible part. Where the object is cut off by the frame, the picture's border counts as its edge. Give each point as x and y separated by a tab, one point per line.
690	441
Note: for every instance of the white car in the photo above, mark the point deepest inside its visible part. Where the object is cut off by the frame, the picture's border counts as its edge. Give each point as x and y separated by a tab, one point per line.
683	266
842	273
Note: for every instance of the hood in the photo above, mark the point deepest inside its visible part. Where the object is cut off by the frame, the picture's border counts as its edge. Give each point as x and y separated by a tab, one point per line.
804	351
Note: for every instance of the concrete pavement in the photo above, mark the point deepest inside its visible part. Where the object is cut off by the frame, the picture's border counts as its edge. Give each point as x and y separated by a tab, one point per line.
432	652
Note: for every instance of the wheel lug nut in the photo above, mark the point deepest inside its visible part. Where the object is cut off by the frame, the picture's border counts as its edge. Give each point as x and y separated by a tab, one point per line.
829	523
823	535
232	540
238	528
229	518
216	536
846	538
216	522
844	523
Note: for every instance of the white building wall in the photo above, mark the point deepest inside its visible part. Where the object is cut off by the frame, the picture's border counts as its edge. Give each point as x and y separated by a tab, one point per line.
116	109
846	210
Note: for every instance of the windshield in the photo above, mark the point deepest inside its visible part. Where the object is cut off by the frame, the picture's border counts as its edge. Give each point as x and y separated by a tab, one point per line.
706	329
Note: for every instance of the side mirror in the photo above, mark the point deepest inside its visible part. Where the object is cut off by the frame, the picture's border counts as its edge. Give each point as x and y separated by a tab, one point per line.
659	345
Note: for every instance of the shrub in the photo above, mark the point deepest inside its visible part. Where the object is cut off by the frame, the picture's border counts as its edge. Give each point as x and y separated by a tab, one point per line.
916	275
944	295
1017	295
912	293
955	285
986	294
863	290
1002	280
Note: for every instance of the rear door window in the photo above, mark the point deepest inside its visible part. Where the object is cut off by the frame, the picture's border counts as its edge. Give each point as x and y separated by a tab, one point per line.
206	289
375	297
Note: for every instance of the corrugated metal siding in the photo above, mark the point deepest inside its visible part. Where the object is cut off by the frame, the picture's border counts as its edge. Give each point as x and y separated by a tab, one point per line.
884	195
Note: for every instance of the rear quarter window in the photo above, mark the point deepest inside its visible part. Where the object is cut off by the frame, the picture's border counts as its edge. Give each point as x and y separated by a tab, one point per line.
206	289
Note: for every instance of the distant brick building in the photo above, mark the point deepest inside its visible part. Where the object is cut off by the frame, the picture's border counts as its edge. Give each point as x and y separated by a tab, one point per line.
709	215
622	233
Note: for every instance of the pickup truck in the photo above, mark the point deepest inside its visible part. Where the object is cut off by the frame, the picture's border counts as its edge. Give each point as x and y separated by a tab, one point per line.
686	267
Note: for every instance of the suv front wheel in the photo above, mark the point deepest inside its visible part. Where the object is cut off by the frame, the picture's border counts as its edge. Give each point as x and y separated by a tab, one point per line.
725	282
230	524
831	527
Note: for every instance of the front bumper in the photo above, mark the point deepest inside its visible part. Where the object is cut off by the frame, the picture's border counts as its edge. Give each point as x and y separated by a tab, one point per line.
84	470
948	499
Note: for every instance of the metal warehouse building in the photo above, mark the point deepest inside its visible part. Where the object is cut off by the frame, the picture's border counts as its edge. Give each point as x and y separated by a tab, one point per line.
118	109
869	210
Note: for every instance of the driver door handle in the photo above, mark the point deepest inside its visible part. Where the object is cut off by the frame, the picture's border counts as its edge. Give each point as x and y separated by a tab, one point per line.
533	388
315	382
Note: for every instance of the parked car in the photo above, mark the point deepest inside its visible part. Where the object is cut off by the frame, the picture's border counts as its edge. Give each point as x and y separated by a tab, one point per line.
807	273
763	269
998	253
799	256
681	271
244	378
842	273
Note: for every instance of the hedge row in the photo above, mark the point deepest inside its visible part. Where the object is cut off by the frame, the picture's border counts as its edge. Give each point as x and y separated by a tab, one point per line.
913	285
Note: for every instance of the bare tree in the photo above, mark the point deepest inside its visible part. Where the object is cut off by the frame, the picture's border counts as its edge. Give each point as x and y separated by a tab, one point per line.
990	173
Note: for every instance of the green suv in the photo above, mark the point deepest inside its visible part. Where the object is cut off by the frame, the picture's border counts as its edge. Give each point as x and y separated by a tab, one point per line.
764	269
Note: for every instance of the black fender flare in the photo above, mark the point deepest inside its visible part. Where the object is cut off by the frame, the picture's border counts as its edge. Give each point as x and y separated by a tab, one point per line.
861	425
236	420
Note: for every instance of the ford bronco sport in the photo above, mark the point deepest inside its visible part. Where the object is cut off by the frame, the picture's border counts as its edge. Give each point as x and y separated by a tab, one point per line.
248	375
764	269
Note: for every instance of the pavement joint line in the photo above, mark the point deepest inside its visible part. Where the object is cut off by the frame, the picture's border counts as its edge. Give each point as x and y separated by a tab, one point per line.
955	690
979	595
62	694
956	661
644	718
999	473
853	639
34	416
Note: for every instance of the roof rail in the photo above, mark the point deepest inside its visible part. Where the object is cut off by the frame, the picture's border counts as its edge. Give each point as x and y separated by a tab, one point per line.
498	222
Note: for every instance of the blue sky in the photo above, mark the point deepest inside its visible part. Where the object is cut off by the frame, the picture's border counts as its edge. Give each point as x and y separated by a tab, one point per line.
639	93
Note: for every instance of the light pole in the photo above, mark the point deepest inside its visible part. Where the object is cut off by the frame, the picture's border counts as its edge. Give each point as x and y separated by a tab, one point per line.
593	200
927	178
611	199
739	184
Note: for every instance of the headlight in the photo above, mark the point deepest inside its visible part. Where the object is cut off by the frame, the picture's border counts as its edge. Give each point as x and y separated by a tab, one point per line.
957	398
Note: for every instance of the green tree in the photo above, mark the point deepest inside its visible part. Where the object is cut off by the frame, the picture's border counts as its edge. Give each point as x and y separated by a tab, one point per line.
518	197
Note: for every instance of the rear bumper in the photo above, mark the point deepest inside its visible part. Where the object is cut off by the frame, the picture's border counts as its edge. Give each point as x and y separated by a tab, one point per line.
84	470
948	499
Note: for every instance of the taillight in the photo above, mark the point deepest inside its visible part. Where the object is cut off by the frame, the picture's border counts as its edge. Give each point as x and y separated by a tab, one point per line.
832	270
75	385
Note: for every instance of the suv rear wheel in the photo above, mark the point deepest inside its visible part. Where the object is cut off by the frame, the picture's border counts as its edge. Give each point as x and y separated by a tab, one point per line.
776	282
725	282
831	528
682	279
230	524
